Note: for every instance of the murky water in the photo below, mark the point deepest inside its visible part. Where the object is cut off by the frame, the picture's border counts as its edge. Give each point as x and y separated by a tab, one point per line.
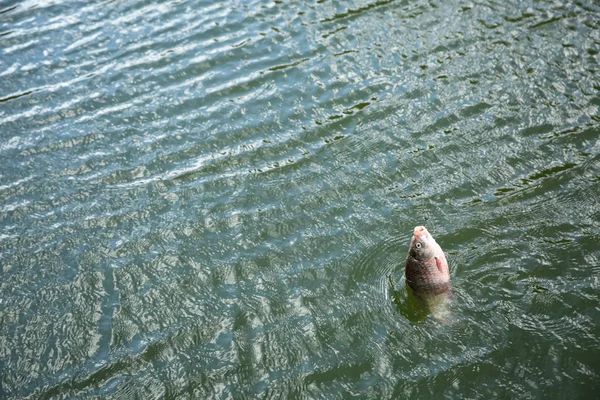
214	199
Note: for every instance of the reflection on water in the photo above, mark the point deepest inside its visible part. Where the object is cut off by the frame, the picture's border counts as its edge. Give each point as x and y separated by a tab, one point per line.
416	307
209	199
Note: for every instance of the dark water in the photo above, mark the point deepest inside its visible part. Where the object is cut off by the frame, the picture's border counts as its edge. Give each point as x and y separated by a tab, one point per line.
214	200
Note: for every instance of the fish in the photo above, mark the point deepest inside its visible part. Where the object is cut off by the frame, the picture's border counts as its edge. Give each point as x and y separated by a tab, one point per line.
426	269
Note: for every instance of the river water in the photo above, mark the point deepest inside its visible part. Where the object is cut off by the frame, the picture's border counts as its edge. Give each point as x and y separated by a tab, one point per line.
207	199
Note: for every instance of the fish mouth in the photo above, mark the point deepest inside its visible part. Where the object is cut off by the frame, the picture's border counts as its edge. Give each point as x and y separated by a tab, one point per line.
420	233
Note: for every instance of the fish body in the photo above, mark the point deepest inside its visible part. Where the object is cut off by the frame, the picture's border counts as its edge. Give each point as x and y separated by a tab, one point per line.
427	272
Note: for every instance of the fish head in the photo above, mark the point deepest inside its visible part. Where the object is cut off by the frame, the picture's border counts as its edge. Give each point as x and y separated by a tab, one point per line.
422	244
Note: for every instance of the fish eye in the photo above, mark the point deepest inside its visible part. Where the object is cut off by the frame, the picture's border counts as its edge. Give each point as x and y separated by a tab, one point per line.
418	245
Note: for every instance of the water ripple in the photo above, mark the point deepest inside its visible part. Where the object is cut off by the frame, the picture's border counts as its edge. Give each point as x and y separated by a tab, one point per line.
208	200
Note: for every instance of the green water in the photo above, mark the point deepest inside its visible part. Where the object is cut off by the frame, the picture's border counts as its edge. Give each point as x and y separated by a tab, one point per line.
214	200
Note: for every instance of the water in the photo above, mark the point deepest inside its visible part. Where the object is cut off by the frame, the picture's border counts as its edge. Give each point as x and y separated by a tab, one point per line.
214	199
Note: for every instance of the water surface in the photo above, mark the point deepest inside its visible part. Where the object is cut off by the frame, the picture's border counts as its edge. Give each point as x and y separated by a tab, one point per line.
207	199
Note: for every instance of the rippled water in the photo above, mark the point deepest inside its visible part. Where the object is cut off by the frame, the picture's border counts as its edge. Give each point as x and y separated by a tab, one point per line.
214	199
